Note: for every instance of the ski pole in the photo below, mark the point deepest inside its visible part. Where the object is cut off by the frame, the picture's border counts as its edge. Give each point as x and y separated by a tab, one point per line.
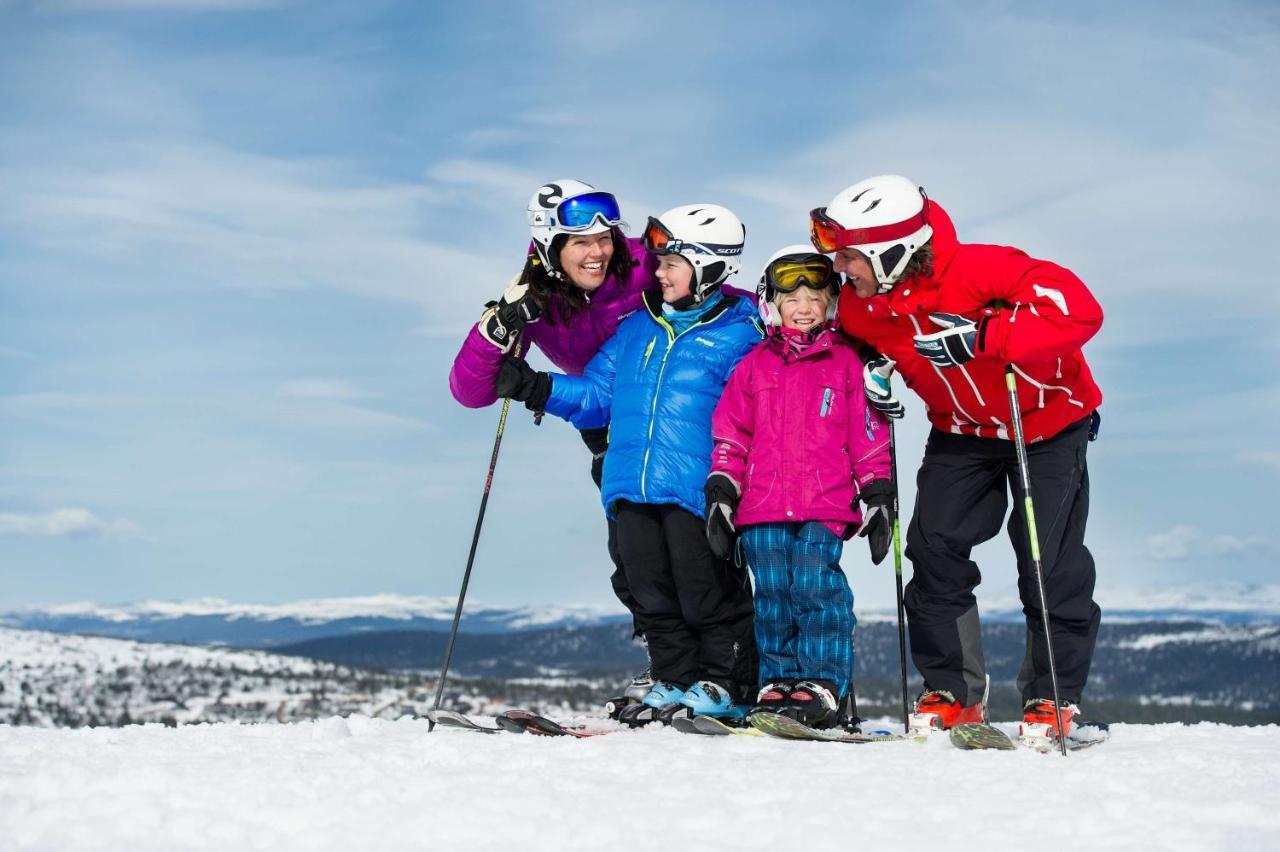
897	574
471	558
1028	510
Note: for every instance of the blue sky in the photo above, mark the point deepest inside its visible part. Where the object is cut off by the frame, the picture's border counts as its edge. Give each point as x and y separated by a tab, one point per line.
241	241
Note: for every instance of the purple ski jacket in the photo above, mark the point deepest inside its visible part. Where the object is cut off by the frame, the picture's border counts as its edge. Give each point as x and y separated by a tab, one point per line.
568	343
795	432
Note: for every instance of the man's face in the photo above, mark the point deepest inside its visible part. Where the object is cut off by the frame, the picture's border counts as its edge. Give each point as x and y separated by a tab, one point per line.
857	271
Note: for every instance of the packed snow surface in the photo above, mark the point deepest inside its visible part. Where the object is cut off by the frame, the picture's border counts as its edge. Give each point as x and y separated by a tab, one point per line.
361	783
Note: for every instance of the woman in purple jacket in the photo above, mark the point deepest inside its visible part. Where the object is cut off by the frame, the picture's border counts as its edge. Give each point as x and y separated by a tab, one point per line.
582	276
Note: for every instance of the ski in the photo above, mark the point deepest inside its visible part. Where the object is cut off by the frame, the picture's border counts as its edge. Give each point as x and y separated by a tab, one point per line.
715	727
777	725
532	723
449	719
711	726
978	735
1083	735
974	736
511	721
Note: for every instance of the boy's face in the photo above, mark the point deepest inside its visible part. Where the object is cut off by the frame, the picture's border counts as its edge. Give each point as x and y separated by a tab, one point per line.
856	269
675	274
804	308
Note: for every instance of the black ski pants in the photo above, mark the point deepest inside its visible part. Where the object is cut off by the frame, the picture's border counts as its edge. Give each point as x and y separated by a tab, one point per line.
597	441
961	499
695	610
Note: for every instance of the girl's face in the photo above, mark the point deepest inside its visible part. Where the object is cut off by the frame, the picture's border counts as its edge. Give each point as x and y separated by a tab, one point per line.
857	271
675	274
803	308
585	259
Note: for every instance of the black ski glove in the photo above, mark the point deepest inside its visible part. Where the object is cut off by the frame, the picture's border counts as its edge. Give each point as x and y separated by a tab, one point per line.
518	381
877	517
722	504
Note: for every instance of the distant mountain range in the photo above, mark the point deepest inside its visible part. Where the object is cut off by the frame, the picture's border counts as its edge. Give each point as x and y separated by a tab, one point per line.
1218	659
212	621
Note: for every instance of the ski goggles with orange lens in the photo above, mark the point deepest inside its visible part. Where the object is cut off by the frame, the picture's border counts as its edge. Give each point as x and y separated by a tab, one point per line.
830	236
659	240
582	211
786	275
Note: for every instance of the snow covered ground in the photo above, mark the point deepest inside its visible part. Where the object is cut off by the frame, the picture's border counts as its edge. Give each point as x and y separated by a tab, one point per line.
361	783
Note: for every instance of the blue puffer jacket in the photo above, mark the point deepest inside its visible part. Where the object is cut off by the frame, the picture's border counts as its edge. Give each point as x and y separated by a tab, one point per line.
657	388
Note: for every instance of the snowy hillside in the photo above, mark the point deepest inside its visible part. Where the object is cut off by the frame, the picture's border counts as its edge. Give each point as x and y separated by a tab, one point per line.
363	783
53	680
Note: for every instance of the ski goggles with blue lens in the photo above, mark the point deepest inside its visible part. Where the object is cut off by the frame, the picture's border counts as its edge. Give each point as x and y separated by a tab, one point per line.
582	211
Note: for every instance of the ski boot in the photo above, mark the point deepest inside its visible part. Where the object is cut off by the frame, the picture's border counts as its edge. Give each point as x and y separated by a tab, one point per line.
660	697
813	703
938	710
772	697
1040	722
707	698
634	694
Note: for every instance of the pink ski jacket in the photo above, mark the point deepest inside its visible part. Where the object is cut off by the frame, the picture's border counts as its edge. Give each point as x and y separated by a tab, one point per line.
795	432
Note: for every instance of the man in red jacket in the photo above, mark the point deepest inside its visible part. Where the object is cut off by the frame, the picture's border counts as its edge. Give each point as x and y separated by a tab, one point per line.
950	317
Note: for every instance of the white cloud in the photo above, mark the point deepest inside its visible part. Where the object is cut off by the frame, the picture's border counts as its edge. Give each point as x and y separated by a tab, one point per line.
1185	541
158	5
65	523
1231	545
1174	544
1265	459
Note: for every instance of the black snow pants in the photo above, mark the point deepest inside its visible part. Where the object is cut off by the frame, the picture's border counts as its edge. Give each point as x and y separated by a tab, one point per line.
597	441
694	609
962	496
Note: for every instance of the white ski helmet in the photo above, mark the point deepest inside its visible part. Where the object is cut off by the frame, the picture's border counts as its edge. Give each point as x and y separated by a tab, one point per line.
568	207
709	236
791	267
885	217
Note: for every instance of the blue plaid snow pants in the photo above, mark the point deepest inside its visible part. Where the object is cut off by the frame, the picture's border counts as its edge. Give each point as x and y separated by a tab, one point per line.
804	606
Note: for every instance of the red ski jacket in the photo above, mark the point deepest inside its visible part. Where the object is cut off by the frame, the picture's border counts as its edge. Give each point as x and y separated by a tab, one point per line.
1032	314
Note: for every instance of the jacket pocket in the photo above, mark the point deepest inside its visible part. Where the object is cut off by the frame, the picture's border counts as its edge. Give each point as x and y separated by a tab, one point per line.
758	492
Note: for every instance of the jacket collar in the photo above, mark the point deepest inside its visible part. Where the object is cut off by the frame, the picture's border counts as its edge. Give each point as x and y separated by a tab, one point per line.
779	341
653	302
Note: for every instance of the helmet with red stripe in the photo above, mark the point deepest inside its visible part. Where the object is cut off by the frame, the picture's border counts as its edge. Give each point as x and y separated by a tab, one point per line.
885	217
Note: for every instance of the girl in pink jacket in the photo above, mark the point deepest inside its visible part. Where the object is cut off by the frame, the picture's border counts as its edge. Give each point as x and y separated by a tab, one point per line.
796	448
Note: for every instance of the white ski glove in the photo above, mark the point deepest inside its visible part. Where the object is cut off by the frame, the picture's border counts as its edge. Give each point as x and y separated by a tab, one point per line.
503	320
876	376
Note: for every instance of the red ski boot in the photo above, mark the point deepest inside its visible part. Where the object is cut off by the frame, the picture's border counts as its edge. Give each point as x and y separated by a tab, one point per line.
937	709
1040	722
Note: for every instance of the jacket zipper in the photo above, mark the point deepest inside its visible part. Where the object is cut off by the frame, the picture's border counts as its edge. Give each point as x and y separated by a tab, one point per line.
672	337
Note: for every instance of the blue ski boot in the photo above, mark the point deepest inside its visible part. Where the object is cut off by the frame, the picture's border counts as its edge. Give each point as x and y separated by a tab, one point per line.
661	695
706	698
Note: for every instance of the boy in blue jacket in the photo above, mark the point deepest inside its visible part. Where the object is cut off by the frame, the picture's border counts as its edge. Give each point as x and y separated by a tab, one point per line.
657	382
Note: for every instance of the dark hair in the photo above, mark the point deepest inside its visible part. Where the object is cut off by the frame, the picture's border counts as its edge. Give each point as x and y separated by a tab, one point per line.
921	263
556	295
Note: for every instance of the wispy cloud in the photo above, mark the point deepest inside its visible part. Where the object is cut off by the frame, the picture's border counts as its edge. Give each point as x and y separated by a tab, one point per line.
66	523
1268	460
158	5
1185	541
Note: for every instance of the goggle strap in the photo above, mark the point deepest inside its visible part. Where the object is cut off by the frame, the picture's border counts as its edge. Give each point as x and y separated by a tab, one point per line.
873	234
